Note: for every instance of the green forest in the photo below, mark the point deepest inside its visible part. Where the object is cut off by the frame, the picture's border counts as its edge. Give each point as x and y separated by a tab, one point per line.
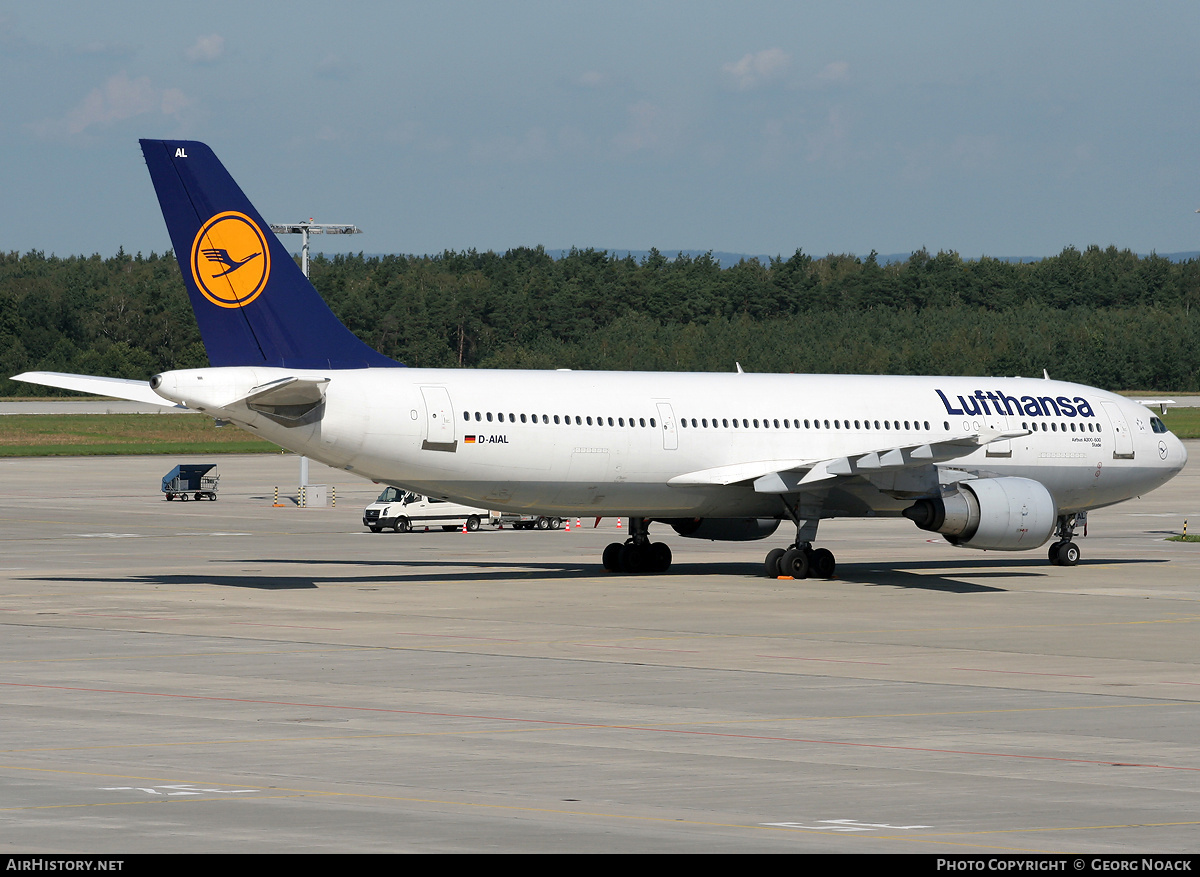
1104	317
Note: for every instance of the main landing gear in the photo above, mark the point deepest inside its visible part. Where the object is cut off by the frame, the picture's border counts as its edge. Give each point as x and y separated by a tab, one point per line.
801	560
1064	552
637	554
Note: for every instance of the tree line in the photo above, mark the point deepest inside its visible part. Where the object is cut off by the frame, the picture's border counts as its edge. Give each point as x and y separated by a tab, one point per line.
1105	317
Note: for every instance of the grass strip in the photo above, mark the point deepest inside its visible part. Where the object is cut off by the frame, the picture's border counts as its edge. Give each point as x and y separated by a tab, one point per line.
44	435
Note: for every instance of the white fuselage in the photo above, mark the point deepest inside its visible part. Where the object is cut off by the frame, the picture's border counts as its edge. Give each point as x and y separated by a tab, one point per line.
609	442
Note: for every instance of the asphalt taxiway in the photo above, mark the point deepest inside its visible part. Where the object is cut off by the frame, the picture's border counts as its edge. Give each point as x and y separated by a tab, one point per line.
233	677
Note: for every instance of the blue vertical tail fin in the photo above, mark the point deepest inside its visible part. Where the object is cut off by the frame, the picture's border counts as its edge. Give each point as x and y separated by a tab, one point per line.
253	304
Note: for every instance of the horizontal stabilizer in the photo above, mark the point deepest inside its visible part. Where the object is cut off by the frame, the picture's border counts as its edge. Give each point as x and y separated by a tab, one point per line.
116	388
288	401
288	391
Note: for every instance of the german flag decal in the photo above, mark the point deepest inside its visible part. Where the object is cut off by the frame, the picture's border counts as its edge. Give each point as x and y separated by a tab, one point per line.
469	439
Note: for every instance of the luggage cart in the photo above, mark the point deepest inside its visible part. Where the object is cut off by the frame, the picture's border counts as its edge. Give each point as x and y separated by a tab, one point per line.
191	481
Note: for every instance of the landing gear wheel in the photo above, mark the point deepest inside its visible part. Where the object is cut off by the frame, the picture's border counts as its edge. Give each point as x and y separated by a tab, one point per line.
821	563
660	557
633	558
771	564
1068	554
612	557
794	563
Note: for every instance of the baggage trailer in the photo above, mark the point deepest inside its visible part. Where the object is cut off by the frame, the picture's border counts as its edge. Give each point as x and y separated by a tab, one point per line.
526	522
191	480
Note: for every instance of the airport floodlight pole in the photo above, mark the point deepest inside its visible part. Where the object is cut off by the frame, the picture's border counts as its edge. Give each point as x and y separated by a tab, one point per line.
304	229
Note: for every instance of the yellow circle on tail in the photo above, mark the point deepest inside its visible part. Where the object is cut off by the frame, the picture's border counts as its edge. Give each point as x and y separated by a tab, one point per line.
230	260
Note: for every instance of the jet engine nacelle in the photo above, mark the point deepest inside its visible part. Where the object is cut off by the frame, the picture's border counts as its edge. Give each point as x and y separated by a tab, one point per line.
725	529
1001	514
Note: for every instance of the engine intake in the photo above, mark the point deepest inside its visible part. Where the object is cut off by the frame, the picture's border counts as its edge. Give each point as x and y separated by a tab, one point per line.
1000	514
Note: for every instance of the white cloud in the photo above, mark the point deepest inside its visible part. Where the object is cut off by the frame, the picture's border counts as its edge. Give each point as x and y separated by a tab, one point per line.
206	49
758	68
117	99
836	71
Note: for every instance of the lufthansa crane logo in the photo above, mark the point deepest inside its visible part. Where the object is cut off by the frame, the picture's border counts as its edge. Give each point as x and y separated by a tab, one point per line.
230	260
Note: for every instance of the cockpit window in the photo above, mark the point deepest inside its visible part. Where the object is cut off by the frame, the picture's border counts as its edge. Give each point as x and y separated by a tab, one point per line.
1157	425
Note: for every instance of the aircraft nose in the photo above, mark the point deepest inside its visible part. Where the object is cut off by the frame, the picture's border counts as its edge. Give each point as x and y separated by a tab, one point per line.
1172	453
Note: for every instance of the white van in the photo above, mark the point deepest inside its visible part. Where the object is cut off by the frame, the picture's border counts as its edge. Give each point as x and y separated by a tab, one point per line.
401	511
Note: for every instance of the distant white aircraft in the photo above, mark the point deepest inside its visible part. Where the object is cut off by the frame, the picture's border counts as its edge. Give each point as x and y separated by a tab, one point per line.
990	463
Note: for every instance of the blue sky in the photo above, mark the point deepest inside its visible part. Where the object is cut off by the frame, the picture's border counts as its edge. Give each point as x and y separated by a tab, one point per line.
1008	129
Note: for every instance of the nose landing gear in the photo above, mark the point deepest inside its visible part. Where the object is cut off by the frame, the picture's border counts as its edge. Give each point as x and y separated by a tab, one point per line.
1064	552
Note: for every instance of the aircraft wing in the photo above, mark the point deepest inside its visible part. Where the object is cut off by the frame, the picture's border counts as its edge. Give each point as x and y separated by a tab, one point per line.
915	463
116	388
